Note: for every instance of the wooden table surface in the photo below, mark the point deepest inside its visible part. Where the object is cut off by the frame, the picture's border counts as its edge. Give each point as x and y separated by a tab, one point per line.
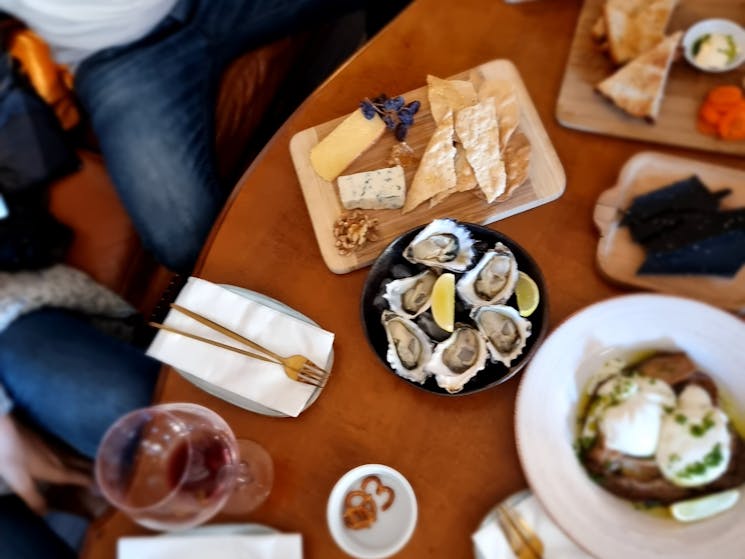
458	453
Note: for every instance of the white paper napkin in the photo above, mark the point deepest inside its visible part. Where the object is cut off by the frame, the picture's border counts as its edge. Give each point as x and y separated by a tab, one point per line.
269	546
259	381
492	543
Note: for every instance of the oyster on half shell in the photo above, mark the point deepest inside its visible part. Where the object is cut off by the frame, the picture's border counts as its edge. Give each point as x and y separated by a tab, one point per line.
409	348
492	280
442	244
457	360
506	332
411	296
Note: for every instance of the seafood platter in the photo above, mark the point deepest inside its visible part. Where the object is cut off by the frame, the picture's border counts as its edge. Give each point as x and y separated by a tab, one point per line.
490	341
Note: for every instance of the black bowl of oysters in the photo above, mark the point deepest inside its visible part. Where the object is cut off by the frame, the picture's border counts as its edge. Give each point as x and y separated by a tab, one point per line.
490	340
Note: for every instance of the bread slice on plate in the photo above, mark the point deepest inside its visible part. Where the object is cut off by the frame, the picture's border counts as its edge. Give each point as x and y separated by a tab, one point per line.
638	87
635	26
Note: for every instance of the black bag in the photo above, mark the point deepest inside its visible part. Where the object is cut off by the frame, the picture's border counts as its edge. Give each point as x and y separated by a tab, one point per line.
33	152
33	147
30	237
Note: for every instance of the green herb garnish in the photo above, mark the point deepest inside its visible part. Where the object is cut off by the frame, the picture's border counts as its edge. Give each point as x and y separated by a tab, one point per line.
698	43
710	460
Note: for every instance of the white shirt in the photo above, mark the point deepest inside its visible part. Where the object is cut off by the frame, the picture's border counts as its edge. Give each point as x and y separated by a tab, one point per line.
75	29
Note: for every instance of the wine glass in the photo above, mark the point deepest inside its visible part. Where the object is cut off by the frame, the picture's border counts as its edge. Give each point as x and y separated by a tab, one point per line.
174	466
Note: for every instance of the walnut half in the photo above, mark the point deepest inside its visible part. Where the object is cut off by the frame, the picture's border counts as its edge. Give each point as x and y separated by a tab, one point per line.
353	230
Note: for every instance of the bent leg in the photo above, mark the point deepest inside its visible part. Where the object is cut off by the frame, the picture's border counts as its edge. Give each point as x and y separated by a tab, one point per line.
71	380
25	535
151	106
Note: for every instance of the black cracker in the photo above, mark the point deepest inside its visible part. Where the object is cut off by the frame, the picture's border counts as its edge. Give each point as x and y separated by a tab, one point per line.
688	194
722	255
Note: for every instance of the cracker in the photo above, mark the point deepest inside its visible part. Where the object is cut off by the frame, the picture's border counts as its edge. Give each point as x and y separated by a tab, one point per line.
464	177
516	156
436	172
478	129
505	103
449	95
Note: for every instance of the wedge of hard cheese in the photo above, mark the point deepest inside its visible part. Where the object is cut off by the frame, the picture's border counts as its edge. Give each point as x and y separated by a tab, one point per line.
344	144
638	87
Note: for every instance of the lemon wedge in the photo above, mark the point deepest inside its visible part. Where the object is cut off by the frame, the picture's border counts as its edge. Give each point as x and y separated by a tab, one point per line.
443	301
527	294
704	507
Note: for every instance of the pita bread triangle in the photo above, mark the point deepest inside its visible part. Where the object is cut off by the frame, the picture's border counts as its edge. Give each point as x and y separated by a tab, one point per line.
635	26
638	87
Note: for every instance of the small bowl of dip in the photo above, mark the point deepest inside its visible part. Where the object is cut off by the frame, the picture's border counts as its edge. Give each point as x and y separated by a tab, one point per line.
715	45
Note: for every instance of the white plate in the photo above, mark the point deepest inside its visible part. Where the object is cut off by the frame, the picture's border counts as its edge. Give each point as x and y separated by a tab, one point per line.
605	525
236	399
393	527
491	517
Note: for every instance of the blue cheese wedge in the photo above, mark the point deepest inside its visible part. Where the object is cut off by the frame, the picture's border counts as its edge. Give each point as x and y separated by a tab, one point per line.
381	189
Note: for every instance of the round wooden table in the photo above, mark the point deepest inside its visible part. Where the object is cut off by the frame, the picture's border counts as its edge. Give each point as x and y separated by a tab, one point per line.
458	453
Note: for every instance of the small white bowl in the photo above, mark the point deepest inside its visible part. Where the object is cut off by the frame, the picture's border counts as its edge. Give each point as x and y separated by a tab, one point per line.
393	527
711	26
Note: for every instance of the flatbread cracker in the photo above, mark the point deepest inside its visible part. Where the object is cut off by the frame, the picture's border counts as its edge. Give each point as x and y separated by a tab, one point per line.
505	102
478	129
449	95
516	156
436	172
465	178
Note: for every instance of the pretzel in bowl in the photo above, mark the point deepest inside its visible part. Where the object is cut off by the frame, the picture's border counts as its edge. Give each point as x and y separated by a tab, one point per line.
360	508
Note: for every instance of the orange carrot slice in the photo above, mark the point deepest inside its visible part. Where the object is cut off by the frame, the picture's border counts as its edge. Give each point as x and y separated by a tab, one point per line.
710	113
725	95
707	128
732	125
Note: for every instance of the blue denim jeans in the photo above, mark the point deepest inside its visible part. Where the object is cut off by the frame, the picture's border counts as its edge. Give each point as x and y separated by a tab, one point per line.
151	104
69	381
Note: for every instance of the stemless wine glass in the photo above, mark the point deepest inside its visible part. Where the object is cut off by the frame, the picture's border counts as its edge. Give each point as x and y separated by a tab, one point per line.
174	466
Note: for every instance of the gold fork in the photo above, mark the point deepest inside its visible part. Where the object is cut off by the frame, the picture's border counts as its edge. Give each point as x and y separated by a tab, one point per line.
300	376
296	367
524	542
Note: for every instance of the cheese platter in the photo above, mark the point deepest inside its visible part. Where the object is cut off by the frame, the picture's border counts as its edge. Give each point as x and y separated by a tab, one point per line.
353	162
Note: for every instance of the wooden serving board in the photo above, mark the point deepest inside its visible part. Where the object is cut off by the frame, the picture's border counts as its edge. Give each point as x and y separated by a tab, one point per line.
546	179
619	257
580	107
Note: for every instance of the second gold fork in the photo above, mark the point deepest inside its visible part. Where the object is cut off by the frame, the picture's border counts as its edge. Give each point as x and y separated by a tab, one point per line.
294	365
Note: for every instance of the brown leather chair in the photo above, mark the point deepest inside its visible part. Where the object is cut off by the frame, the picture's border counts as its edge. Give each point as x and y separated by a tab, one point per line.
106	245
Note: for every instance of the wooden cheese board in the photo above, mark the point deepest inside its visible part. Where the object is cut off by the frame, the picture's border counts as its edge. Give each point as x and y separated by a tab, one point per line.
619	257
580	107
546	179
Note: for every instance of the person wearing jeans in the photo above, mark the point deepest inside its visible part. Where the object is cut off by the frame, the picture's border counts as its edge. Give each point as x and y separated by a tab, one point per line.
67	382
151	93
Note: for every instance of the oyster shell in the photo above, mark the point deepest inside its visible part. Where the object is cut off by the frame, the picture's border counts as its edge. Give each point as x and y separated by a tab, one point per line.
492	280
457	360
506	332
411	296
442	244
409	349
